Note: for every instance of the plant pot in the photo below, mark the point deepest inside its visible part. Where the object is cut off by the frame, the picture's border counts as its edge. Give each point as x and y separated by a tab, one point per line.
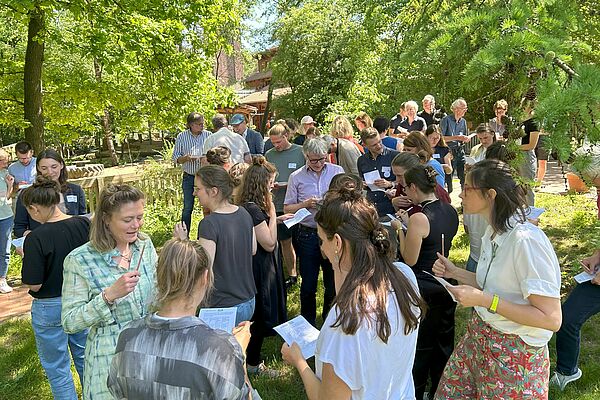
576	184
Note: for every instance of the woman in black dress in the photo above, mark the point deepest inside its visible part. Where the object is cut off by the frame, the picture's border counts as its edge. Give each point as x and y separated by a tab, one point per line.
270	310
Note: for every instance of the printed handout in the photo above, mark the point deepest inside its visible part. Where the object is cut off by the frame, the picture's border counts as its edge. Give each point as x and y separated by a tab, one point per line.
298	216
300	331
219	318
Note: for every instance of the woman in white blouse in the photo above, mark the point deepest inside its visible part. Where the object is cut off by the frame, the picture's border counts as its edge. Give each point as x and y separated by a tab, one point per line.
367	345
515	293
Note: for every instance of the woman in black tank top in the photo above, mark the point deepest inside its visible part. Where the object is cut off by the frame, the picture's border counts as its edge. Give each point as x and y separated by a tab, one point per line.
429	232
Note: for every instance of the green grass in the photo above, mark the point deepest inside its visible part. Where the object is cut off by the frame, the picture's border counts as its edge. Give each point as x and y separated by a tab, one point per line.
569	221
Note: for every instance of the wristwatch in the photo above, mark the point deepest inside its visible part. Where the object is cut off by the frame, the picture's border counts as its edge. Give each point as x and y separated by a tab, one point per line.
494	304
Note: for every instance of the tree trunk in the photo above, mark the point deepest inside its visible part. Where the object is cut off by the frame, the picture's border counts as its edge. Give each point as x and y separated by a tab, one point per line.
32	80
105	120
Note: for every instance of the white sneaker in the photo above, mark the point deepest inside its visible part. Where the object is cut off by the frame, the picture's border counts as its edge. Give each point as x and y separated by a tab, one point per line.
4	288
561	380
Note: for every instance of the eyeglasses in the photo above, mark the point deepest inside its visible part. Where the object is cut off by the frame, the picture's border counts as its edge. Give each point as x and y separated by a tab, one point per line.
318	160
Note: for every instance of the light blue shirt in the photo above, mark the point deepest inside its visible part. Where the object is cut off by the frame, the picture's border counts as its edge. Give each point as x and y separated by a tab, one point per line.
23	173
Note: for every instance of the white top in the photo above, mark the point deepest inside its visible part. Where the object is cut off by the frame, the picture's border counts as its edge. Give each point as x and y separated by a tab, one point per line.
478	152
233	141
371	368
518	263
476	225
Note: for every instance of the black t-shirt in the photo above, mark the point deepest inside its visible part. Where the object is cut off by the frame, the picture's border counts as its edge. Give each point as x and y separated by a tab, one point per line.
232	266
439	152
45	250
299	140
528	126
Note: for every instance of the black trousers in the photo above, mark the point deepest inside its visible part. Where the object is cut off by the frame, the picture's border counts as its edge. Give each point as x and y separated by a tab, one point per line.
436	336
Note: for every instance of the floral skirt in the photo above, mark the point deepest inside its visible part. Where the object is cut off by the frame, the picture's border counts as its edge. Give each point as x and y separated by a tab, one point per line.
488	364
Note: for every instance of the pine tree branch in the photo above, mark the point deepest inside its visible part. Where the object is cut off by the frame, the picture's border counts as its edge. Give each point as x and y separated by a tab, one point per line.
13	101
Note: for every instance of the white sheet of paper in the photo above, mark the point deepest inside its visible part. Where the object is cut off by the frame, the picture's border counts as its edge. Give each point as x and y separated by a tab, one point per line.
371	177
445	284
534	212
18	242
300	331
298	216
584	277
470	160
281	184
219	318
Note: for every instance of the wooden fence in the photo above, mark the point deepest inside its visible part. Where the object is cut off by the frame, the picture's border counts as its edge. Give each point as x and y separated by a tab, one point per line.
159	186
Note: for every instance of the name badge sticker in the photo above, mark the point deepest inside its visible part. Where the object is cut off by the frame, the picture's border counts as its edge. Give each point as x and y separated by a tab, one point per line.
386	171
71	198
436	156
292	165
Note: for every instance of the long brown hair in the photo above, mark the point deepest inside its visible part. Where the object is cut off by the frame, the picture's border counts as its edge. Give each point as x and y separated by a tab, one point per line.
421	144
372	273
255	183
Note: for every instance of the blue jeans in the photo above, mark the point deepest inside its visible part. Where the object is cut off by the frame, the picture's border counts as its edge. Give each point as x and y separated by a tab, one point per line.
581	305
458	166
187	184
245	311
306	243
53	346
5	231
471	265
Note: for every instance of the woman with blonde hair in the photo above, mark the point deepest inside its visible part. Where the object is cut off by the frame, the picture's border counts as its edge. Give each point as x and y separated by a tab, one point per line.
108	281
412	122
270	310
172	339
345	149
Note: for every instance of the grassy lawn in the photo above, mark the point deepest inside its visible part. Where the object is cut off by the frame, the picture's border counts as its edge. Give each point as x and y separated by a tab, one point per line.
569	221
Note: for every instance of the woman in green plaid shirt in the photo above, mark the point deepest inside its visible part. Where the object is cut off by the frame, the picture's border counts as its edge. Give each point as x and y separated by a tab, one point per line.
109	281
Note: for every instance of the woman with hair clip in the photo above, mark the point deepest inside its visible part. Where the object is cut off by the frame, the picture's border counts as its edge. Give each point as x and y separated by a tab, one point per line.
428	232
515	294
45	250
220	156
418	144
270	310
367	344
108	281
228	236
172	339
72	198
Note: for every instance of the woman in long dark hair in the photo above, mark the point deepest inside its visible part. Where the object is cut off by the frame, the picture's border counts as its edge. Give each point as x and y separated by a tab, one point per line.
45	250
515	294
270	309
72	198
367	344
428	232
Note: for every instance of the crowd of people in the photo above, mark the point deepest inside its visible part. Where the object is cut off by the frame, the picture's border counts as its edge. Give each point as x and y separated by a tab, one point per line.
379	230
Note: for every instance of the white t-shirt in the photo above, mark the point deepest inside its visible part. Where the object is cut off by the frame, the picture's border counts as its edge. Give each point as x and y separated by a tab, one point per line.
371	368
476	225
521	262
233	141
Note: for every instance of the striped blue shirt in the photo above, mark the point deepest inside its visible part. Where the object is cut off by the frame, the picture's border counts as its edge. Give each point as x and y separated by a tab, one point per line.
188	143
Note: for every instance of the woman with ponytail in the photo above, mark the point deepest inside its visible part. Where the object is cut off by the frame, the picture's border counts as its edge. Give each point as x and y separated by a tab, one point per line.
368	339
270	311
46	247
428	232
228	236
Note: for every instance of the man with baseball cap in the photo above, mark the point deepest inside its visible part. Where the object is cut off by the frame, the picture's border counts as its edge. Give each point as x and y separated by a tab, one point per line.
254	139
306	122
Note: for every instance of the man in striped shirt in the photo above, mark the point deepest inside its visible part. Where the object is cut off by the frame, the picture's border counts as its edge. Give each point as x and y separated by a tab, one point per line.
187	153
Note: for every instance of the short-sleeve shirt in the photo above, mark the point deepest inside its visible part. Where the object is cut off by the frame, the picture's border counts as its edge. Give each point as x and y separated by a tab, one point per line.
451	127
383	164
305	184
389	142
286	162
234	142
418	124
440	178
371	368
188	143
176	358
23	173
440	152
232	266
514	265
528	126
45	250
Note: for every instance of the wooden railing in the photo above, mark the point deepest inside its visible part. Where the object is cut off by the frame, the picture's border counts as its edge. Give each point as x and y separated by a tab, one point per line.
164	187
